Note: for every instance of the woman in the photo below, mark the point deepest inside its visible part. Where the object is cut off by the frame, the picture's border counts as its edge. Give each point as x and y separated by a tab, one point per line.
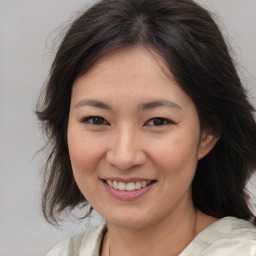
150	125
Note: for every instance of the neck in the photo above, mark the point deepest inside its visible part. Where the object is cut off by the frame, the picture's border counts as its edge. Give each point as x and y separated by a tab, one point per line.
168	238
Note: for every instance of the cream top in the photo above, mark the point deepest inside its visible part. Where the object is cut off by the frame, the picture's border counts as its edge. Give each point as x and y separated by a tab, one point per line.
228	236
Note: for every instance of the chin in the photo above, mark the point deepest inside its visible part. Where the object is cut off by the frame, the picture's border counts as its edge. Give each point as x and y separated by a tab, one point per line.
130	220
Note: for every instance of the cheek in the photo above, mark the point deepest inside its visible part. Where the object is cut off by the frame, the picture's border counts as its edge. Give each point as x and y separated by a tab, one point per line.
83	153
77	151
176	155
84	156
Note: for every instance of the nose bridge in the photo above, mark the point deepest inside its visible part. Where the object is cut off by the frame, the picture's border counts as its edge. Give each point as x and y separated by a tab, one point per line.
126	150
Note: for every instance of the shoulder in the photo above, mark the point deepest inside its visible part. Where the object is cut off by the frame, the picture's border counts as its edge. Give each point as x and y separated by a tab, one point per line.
86	243
228	236
231	228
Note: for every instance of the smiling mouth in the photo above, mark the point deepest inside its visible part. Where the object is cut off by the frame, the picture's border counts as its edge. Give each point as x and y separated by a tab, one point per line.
130	186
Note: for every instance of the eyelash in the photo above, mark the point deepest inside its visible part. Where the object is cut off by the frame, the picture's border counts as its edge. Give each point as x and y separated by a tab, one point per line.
159	121
97	120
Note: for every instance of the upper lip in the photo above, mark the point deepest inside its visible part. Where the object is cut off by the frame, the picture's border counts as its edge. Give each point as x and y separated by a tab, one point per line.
127	180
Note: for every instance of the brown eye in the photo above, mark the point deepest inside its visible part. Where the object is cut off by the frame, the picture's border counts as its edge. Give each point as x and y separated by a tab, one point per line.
159	121
95	120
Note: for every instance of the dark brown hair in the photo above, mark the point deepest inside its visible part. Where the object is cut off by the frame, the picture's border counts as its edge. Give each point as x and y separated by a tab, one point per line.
188	39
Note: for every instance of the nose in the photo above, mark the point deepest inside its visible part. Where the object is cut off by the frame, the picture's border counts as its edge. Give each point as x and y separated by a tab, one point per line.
126	150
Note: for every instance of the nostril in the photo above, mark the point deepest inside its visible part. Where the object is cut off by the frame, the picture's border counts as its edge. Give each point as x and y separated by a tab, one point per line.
125	159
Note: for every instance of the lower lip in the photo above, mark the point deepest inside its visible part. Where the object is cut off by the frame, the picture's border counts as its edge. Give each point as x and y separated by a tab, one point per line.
127	195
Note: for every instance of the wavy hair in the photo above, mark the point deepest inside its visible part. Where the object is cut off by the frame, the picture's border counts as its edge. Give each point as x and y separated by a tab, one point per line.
194	50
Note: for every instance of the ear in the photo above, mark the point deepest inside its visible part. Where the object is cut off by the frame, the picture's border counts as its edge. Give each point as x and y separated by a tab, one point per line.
207	142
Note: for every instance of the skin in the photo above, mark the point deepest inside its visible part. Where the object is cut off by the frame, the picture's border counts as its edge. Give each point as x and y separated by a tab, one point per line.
126	142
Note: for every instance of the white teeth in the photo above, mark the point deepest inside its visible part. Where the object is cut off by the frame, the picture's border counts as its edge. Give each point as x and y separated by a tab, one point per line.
127	186
130	186
138	185
121	186
115	184
143	184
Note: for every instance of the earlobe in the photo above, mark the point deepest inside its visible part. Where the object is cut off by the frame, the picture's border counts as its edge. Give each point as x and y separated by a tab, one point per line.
207	143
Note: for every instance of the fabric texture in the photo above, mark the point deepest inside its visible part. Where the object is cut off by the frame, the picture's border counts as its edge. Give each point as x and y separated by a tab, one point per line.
228	236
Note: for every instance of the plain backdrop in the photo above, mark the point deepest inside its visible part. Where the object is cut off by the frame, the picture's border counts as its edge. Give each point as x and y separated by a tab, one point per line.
28	32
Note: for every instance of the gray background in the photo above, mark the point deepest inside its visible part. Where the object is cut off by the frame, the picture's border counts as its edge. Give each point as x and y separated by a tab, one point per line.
28	41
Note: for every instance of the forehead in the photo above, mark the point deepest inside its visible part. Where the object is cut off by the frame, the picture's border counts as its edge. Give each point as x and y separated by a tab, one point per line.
128	63
135	73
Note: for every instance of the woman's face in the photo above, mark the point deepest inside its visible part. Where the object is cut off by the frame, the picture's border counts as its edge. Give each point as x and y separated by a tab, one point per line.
134	139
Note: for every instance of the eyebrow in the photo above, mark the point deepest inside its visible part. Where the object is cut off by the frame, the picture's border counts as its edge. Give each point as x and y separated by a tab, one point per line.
143	106
158	103
92	103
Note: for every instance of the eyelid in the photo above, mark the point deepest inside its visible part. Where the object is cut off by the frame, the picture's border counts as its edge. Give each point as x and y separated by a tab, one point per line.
98	121
166	121
89	120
